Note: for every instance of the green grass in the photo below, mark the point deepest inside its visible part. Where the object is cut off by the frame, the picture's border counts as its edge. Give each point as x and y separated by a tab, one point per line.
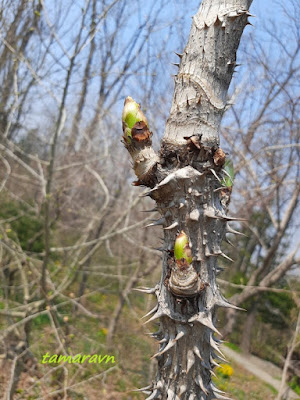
132	350
273	390
242	385
294	385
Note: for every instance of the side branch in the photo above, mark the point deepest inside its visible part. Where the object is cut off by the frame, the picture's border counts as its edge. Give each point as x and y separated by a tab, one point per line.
137	140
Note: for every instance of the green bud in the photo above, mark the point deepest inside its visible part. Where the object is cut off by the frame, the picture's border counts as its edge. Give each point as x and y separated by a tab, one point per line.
132	114
182	248
229	178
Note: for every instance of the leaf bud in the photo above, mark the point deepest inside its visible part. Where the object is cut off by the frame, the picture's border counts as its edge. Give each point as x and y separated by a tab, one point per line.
182	248
132	114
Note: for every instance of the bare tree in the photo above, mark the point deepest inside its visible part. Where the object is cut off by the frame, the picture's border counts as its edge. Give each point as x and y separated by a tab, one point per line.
262	133
284	389
69	223
58	176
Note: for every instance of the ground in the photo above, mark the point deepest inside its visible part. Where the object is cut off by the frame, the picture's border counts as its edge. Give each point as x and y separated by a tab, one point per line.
264	370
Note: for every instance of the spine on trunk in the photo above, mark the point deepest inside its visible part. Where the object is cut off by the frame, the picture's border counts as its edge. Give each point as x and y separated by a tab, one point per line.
191	182
188	296
192	201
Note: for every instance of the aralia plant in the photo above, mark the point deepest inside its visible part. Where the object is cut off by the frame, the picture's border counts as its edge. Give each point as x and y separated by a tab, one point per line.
191	183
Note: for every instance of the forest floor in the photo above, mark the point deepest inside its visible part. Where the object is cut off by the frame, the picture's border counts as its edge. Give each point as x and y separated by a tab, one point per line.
252	379
264	370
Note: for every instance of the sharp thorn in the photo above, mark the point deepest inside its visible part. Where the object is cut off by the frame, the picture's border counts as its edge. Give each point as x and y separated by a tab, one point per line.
229	242
213	362
220	397
145	194
220	188
171	343
154	335
230	305
145	290
210	214
206	321
179	335
220	358
231	230
158	314
197	352
164	340
215	389
182	389
172	226
190	360
215	174
222	302
160	221
199	382
229	218
143	389
178	54
215	346
153	395
212	373
227	258
151	311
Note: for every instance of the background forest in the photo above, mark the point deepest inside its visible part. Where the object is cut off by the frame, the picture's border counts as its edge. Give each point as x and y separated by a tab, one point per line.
72	243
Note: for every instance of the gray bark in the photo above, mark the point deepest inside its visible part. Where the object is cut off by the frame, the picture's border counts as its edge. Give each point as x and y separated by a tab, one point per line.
185	183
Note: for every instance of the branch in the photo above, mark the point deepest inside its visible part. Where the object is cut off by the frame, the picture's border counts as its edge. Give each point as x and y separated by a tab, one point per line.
268	280
137	140
259	288
276	242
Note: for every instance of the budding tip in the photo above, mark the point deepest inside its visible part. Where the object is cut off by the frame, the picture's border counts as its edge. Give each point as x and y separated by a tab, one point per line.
128	98
131	115
182	248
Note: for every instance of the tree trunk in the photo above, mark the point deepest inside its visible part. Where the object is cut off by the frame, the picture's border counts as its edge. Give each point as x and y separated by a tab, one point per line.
186	183
284	388
246	338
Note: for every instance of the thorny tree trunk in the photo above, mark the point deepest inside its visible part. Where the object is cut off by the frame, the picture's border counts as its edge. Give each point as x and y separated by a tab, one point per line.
185	181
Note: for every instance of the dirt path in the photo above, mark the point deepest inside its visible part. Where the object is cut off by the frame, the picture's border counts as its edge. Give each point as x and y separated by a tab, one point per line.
264	370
